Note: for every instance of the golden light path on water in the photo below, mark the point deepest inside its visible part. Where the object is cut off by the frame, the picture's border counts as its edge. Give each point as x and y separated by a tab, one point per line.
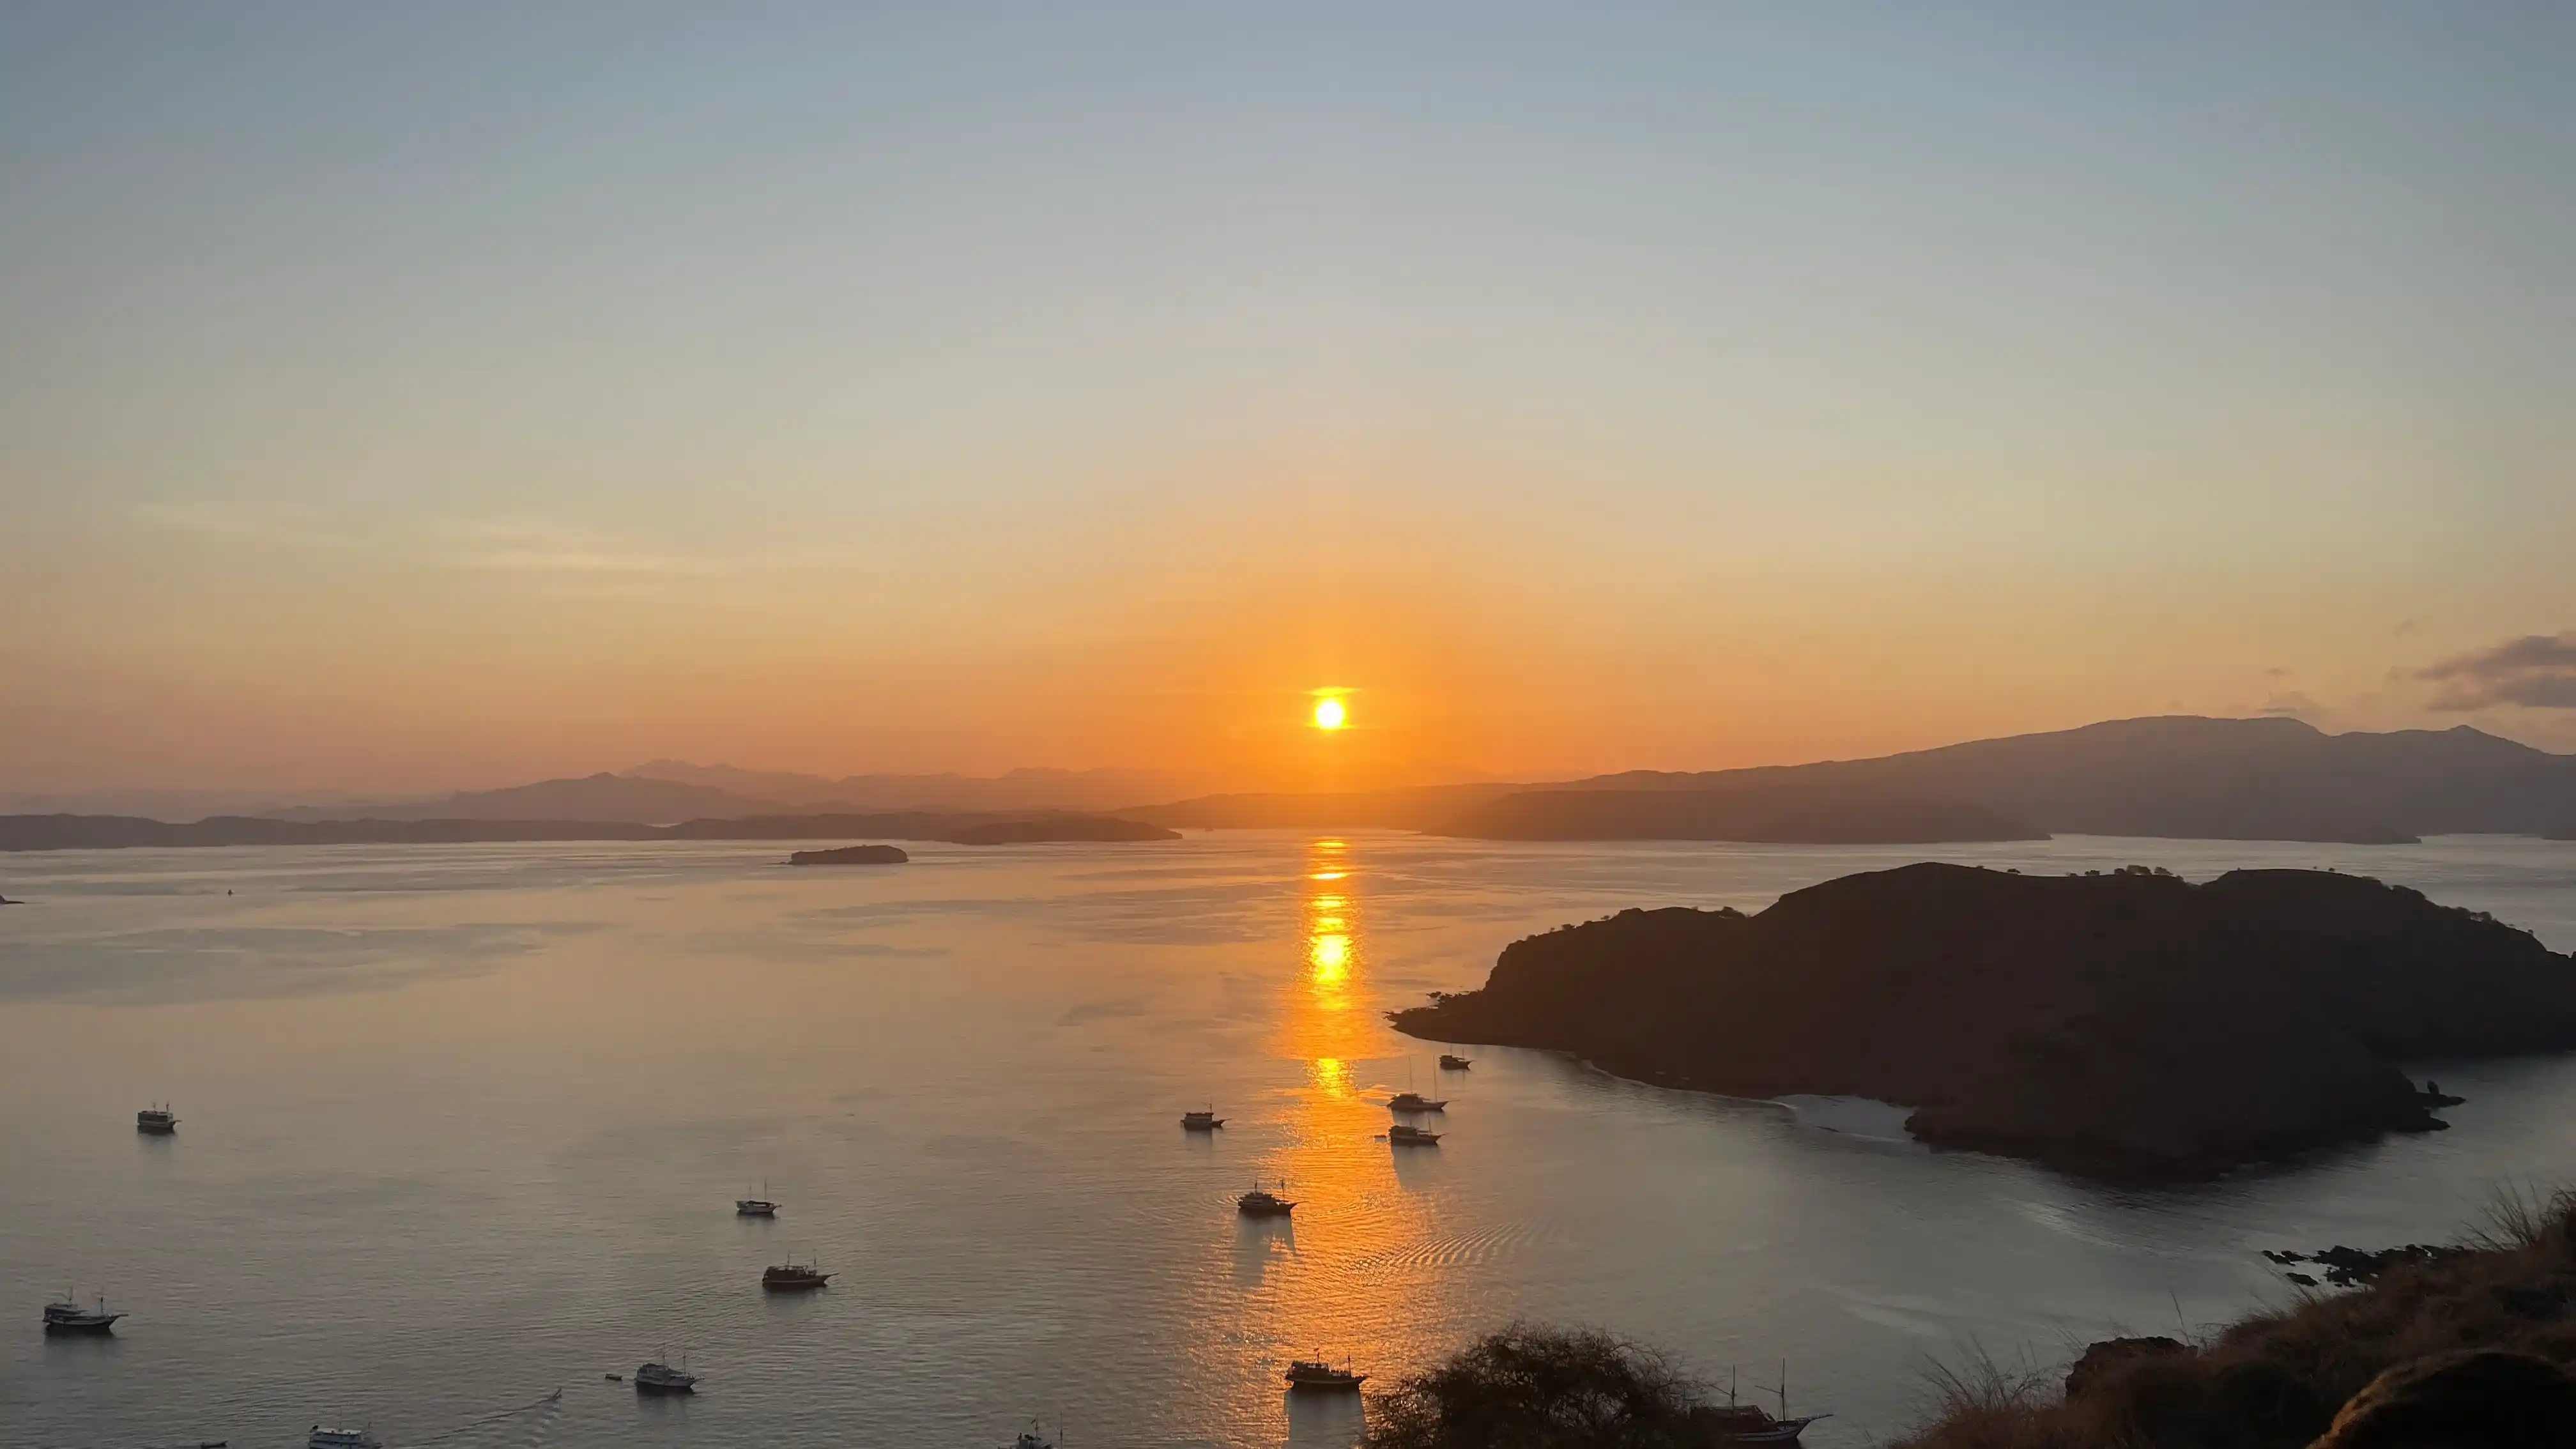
1336	1280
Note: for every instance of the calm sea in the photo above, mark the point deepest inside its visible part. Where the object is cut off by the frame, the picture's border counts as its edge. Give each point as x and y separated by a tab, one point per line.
464	1125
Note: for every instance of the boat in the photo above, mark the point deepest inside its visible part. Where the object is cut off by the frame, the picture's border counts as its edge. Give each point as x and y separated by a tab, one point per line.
1746	1424
1261	1202
1415	1102
1207	1121
1735	1423
67	1316
156	1121
325	1437
756	1207
1450	1063
1310	1373
1405	1136
661	1378
1030	1438
792	1277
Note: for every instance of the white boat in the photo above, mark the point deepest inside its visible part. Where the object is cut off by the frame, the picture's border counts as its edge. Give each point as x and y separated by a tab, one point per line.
67	1316
661	1378
325	1437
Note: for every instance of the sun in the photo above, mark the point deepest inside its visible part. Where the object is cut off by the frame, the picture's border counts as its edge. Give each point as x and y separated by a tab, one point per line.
1329	714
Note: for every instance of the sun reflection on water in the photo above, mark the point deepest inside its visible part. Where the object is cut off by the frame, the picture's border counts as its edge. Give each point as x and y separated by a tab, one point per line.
1342	1282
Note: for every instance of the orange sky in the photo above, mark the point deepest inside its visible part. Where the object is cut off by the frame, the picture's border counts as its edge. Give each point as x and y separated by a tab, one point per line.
1713	389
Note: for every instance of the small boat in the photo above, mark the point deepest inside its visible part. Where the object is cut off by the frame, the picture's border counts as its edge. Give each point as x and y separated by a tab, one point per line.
1745	1424
1450	1063
325	1437
1415	1102
67	1316
792	1277
1309	1373
1261	1202
1734	1423
1207	1121
156	1121
756	1207
661	1378
1031	1438
1404	1136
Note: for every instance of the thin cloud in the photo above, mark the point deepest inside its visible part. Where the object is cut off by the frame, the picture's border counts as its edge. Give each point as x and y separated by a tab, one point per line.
2292	705
534	548
2537	671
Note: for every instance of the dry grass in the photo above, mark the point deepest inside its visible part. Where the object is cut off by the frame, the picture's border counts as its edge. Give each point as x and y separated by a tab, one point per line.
2274	1379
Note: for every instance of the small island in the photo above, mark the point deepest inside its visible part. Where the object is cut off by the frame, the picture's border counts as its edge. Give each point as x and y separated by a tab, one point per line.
2128	1024
851	855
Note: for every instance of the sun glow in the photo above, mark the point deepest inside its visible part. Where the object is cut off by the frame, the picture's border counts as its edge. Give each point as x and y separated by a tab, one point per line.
1329	714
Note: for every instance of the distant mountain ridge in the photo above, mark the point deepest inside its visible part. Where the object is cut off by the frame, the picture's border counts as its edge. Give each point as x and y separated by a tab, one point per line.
2217	779
2172	776
666	792
119	832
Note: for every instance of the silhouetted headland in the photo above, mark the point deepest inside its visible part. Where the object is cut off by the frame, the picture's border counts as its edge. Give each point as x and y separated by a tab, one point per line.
851	855
2130	1023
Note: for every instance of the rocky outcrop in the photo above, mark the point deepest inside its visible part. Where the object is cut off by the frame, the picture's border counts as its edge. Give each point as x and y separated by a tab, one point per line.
2128	1023
851	855
2486	1399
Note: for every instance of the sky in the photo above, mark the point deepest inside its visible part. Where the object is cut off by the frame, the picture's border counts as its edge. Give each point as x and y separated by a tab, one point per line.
411	397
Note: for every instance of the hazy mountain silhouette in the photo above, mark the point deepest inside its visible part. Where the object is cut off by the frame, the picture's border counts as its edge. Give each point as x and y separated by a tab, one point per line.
1022	789
1792	813
107	832
2219	779
2178	776
602	798
2131	1020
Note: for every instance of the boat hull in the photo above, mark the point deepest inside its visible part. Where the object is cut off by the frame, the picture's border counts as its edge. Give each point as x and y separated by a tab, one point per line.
83	1327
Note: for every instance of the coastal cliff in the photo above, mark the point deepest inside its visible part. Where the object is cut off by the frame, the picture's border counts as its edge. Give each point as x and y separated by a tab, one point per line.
2128	1023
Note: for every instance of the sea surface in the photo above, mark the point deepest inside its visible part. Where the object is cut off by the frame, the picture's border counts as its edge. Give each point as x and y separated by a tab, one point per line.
463	1125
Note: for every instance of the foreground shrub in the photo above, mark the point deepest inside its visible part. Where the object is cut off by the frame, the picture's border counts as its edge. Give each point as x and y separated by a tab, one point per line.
1541	1388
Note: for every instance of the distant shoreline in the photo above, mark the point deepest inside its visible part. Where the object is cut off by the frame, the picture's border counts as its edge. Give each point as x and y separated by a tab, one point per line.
20	833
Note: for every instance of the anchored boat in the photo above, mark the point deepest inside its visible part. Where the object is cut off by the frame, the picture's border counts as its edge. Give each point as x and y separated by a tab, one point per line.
792	1277
756	1207
67	1316
1736	1423
325	1437
1308	1373
1207	1121
156	1121
661	1378
1261	1202
1450	1063
1404	1136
